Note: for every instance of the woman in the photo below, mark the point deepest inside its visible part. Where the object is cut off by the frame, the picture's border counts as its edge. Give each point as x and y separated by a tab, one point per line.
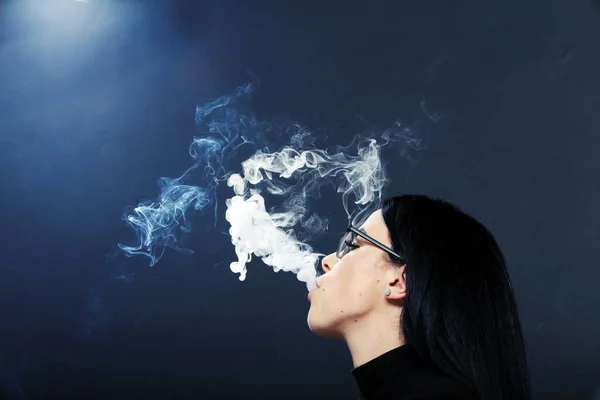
422	298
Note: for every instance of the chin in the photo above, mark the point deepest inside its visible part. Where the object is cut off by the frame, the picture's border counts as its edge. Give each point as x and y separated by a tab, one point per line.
323	328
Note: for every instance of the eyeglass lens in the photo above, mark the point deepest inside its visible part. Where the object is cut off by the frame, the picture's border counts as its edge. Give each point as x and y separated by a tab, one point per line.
343	247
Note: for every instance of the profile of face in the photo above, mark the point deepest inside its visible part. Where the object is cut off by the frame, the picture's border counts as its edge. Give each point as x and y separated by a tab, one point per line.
351	293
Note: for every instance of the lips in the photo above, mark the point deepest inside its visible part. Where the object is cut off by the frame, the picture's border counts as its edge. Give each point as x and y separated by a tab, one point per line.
312	290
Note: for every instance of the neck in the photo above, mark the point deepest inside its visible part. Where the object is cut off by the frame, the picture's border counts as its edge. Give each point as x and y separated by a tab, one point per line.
370	339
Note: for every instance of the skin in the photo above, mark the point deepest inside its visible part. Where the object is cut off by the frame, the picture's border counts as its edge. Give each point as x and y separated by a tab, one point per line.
350	302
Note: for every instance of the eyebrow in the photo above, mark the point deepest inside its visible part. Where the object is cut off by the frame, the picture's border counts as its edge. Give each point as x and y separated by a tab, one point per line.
360	238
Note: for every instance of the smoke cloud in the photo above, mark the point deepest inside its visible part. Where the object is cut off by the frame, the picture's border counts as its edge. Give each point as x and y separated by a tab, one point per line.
294	173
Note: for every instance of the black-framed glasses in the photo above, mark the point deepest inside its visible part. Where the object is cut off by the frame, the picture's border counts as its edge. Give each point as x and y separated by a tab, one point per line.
347	243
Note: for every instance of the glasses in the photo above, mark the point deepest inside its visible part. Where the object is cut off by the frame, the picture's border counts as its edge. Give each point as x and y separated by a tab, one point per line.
347	243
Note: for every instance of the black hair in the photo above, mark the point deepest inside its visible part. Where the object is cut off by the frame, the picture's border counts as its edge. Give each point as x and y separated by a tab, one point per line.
460	311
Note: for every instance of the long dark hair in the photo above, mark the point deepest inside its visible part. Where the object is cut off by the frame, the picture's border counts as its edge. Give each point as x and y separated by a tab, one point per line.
460	311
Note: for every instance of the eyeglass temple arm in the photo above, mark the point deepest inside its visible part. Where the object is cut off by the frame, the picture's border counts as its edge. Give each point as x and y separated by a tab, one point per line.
375	242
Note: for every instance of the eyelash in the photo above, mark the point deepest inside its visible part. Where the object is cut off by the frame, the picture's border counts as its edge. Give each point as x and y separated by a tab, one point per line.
351	245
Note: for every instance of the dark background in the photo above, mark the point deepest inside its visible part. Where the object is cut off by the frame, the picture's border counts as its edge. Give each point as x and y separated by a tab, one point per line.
97	101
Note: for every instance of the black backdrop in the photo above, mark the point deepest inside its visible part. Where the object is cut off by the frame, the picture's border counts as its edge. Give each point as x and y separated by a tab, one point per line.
97	101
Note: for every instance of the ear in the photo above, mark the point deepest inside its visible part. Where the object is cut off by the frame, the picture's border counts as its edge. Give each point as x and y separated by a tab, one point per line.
397	283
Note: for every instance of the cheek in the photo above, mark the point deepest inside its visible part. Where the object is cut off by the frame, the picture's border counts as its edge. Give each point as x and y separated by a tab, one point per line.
347	287
345	297
346	293
363	290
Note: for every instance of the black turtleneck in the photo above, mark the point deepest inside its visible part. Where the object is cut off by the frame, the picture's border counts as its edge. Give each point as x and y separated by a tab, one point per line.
400	374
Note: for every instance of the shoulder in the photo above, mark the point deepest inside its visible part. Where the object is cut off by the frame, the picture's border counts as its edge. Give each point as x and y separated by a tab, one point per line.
427	388
439	388
444	397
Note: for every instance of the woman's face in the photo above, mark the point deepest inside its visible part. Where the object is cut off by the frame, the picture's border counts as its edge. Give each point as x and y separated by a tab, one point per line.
351	291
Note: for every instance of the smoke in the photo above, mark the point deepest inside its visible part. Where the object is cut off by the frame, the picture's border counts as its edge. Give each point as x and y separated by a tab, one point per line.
294	173
159	224
270	236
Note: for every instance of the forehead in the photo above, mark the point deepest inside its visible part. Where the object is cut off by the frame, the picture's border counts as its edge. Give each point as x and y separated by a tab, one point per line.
373	221
375	227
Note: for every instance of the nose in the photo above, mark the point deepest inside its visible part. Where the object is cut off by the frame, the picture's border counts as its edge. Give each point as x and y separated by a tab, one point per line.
328	262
